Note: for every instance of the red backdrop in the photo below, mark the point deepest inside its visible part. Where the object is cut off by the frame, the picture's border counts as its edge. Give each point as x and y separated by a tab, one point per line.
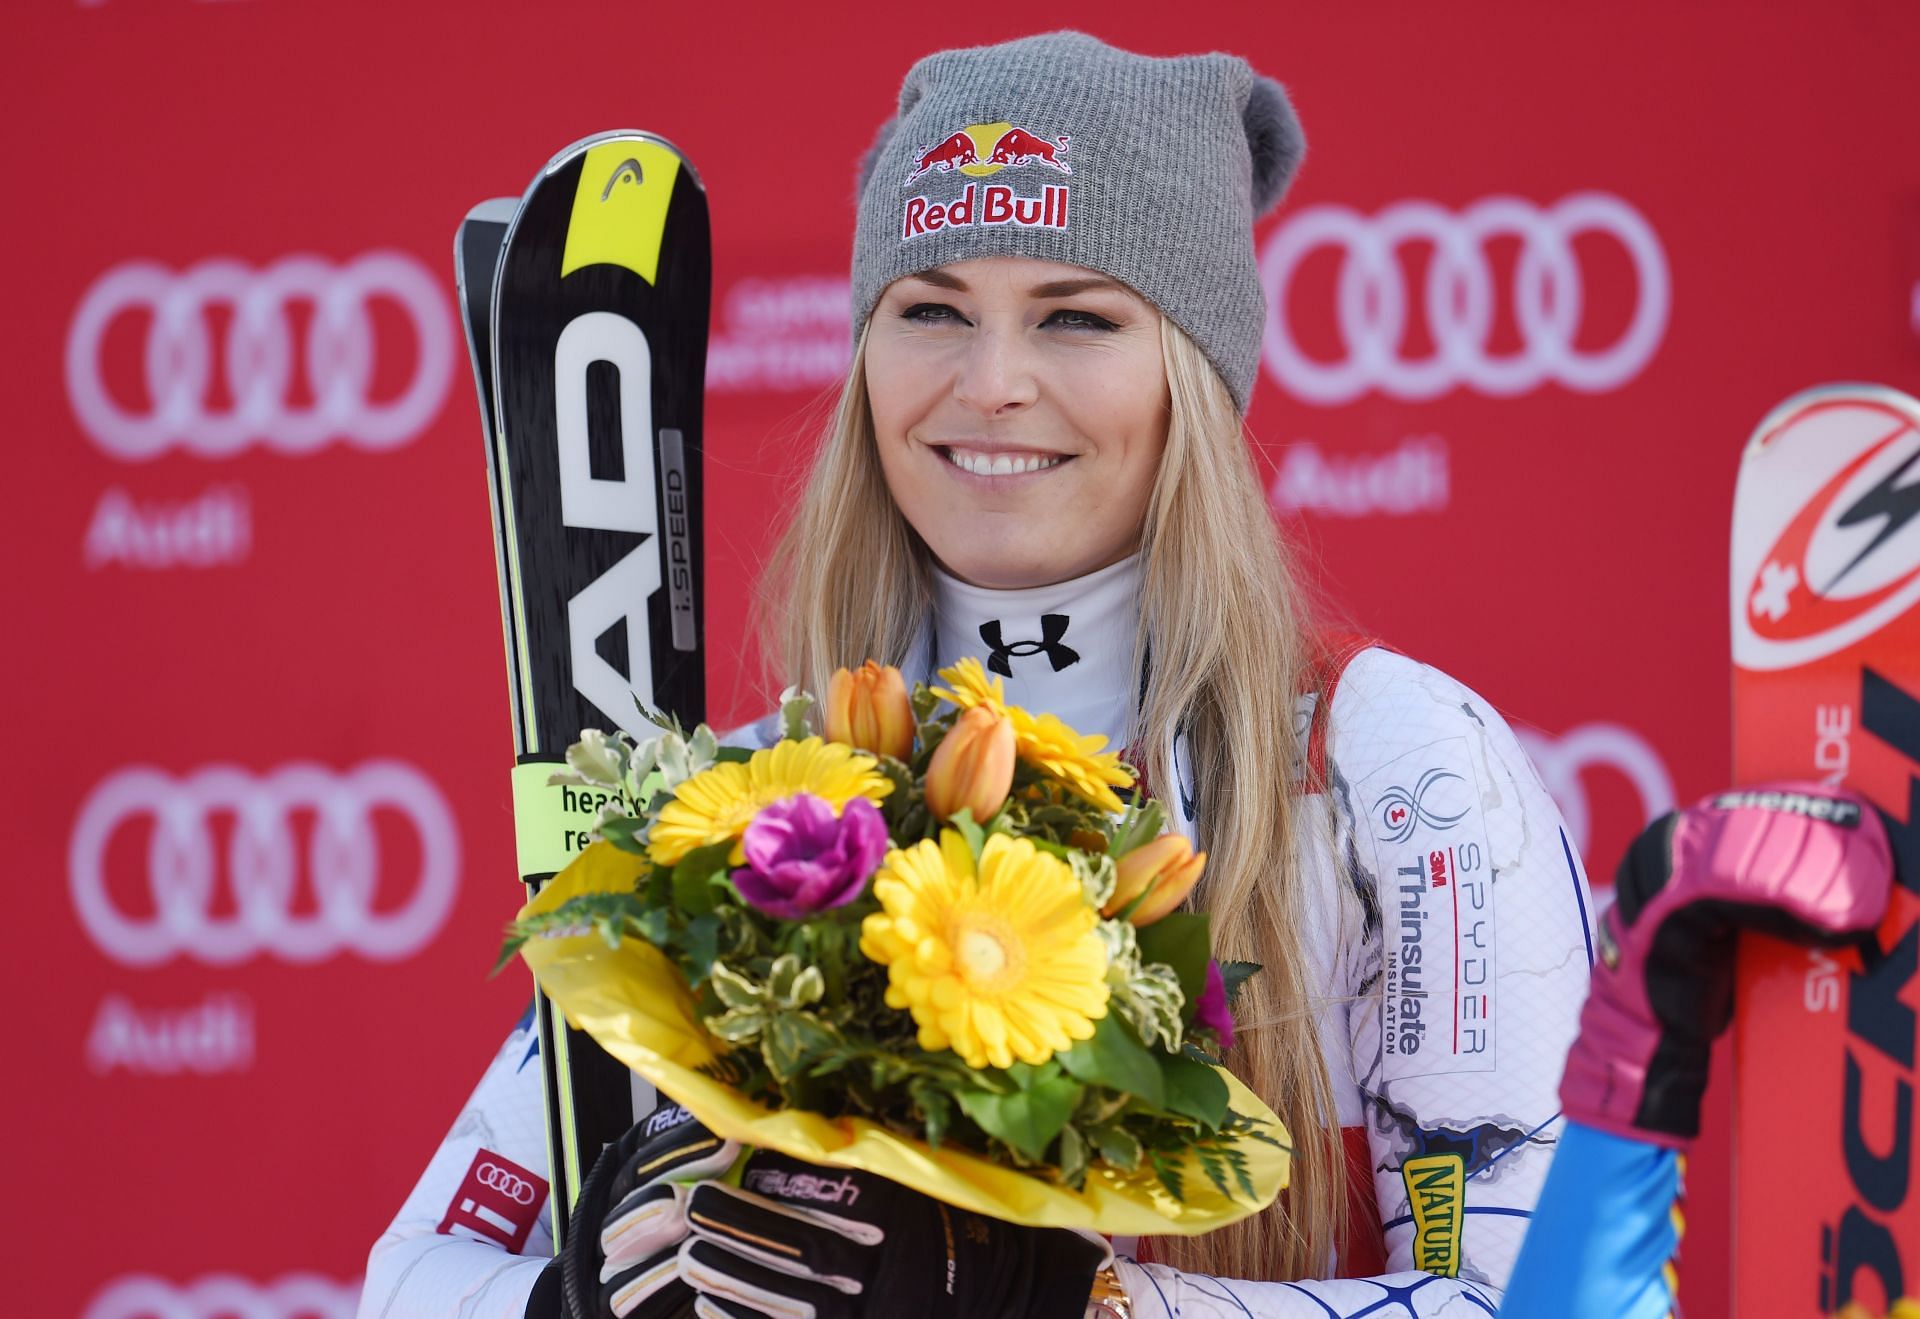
1543	271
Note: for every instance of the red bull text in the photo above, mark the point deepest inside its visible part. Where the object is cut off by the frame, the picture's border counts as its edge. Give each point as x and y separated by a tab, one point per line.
979	150
997	203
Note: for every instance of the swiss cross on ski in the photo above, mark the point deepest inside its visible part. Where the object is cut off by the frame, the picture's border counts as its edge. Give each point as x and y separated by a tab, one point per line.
979	151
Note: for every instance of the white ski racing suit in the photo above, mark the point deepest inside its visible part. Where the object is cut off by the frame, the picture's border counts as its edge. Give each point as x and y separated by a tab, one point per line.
1451	934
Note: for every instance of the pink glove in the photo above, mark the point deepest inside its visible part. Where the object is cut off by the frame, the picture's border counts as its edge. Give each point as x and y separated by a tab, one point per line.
1794	860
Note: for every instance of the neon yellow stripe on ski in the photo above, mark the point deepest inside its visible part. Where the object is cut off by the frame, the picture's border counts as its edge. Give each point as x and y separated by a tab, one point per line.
529	716
620	208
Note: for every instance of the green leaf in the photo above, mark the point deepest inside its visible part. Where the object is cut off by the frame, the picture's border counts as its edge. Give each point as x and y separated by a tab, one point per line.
936	1108
924	703
658	718
1118	1146
1166	1167
699	946
1096	874
733	755
691	892
794	1041
1236	974
1144	821
795	706
1073	1155
621	831
509	949
734	989
1027	1120
1115	1059
976	836
1183	943
653	925
1195	1090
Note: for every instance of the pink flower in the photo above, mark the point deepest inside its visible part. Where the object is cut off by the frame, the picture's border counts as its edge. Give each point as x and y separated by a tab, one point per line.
803	860
1210	1011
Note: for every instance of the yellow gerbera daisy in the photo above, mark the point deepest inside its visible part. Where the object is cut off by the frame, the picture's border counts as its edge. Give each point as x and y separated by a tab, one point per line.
1043	740
719	803
996	962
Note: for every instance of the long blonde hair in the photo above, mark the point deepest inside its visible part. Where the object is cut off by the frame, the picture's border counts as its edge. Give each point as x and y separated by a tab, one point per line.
1221	608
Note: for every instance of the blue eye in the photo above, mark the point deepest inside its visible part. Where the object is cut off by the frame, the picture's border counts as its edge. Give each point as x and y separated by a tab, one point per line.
930	313
1080	320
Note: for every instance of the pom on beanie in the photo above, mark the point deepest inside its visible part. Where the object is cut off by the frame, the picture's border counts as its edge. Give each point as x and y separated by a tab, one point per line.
1275	141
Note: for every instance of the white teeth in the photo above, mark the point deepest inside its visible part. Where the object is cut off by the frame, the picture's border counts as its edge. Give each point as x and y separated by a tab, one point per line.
1003	465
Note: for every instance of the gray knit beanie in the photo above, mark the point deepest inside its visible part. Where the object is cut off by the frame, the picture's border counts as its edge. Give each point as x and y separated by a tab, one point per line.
1062	148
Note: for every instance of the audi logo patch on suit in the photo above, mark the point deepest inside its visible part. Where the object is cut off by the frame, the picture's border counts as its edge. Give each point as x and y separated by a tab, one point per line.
497	1201
183	867
1372	305
257	355
225	1296
495	1178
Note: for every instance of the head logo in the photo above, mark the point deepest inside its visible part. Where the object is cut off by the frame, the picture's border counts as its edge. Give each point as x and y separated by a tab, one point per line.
1401	811
1813	575
982	149
257	355
183	865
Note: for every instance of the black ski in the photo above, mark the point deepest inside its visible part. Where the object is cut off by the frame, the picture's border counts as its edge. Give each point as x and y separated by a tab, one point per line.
598	339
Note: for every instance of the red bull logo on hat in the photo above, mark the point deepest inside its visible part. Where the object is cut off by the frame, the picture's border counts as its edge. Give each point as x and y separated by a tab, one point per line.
983	149
979	150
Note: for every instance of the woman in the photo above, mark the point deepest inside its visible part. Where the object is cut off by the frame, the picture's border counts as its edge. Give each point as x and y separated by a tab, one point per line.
1038	459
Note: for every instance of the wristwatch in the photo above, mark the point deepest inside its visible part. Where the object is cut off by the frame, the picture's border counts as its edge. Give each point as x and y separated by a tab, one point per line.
1109	1299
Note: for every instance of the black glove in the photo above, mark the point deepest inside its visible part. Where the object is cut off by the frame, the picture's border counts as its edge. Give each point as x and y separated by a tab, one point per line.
620	1259
830	1243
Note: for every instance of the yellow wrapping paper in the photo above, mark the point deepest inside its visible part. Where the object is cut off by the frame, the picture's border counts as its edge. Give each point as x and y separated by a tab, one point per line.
636	1005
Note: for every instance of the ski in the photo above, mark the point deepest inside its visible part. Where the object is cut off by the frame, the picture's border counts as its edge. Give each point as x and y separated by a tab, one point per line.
1826	686
598	336
477	245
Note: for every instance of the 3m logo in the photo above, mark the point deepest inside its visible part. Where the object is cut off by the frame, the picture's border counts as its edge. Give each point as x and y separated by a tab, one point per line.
1436	1184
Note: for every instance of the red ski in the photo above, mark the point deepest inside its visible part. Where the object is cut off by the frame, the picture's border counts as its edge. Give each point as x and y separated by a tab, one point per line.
1826	686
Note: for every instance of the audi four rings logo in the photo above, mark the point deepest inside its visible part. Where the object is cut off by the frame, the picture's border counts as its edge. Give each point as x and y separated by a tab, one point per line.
257	355
494	1177
1371	307
262	864
1562	760
224	1296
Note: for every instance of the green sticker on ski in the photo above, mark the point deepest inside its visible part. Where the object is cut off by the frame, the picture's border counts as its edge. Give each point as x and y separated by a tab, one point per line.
552	823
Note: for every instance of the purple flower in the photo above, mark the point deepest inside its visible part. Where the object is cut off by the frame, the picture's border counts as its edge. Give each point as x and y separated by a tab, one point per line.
1210	1010
802	860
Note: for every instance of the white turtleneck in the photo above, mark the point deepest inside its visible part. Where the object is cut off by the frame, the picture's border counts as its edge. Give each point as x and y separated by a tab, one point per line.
1064	649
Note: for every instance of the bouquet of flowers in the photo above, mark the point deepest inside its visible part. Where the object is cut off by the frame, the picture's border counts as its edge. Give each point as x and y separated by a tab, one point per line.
936	944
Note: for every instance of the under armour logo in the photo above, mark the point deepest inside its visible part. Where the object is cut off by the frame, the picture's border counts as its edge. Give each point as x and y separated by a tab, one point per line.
1052	628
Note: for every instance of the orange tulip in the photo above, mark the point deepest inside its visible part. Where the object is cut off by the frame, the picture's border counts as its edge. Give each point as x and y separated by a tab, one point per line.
868	708
1165	870
972	768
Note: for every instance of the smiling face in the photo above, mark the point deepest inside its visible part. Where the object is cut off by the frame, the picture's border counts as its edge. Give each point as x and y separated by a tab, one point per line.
1020	408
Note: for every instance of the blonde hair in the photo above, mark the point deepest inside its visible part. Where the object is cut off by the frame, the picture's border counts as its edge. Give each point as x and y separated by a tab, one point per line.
1219	604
